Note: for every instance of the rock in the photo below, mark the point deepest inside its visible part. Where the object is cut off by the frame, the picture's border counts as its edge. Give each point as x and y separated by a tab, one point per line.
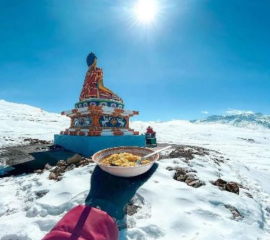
249	195
48	166
190	179
191	174
188	176
182	177
193	183
70	167
36	141
40	194
62	168
55	147
52	176
61	163
242	186
220	182
90	160
131	209
59	178
56	170
232	187
84	162
199	184
38	171
236	214
181	153
180	171
169	168
74	159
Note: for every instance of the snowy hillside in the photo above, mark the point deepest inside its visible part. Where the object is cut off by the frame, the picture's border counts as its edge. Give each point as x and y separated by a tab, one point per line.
166	209
241	119
20	121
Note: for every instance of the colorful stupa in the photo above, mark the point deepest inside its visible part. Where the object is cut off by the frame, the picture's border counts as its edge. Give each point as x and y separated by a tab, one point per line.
99	113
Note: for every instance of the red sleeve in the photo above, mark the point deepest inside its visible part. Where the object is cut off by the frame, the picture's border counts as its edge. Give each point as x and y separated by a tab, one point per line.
84	223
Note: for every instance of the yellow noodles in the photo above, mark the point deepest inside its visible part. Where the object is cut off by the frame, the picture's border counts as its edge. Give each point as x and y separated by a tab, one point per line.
123	160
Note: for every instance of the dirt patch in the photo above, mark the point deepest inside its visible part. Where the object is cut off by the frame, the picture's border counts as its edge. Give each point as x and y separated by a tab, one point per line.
187	153
131	208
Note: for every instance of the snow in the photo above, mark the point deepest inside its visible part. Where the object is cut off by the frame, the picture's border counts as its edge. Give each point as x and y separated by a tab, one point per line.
27	121
169	209
246	119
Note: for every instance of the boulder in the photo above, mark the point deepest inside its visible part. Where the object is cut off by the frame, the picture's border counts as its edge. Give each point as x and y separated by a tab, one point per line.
169	168
232	187
235	213
199	184
193	183
59	178
190	179
74	159
70	167
52	176
61	163
220	183
38	171
48	166
182	177
249	195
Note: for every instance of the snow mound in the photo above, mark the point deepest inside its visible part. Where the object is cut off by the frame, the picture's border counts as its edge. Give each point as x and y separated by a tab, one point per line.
20	121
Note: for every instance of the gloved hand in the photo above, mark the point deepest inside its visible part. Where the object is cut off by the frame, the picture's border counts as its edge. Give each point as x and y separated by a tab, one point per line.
111	194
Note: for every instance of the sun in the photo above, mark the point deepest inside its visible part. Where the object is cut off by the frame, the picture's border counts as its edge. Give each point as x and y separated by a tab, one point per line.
146	10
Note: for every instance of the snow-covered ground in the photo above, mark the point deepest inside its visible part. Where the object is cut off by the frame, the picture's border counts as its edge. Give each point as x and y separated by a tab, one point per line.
20	121
169	209
246	119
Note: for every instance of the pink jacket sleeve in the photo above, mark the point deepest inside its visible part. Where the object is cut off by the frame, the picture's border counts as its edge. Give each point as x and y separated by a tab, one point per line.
84	223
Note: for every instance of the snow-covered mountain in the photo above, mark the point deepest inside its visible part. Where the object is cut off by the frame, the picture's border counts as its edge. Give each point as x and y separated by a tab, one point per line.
246	119
166	209
20	121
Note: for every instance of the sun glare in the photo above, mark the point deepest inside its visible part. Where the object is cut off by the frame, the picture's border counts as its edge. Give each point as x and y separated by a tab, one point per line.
146	10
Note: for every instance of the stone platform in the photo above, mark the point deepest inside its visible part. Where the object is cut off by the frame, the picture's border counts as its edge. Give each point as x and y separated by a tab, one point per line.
87	146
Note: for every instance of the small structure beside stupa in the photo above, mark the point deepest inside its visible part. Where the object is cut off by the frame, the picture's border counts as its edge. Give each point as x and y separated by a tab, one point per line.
150	137
99	113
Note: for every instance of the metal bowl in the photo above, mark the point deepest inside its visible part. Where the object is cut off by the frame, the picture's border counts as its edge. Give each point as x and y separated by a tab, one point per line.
125	171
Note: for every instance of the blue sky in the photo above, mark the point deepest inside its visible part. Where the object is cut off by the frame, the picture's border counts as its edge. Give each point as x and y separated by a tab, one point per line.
198	55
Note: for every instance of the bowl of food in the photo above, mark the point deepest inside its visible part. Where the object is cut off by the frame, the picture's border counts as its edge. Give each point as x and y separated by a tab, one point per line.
122	161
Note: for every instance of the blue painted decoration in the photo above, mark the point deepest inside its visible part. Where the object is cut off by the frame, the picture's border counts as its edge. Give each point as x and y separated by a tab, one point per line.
111	121
82	122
